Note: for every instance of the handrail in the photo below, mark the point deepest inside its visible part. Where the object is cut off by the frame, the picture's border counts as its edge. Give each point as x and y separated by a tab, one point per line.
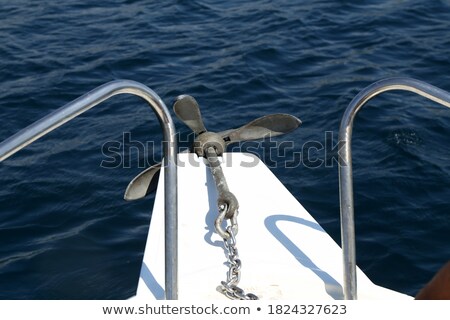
345	164
71	110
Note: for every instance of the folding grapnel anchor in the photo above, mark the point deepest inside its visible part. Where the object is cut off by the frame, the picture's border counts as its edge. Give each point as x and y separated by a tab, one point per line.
187	110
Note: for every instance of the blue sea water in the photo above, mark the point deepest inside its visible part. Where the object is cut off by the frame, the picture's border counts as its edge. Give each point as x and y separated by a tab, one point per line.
65	230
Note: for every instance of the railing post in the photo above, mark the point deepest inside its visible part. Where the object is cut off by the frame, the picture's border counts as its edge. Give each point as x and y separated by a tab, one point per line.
86	102
345	164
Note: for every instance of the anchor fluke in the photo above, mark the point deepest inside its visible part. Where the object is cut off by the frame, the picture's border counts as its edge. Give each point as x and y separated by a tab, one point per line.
264	127
143	184
187	110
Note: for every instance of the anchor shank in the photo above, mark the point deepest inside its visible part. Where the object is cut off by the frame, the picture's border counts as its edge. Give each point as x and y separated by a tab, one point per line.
224	197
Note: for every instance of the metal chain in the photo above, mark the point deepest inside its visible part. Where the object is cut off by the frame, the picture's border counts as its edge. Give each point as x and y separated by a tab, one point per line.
230	287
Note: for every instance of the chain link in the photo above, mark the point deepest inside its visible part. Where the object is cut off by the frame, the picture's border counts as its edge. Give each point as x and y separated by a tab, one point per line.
230	287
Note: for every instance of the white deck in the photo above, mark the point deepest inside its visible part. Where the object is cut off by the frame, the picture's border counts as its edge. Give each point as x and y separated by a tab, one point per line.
285	253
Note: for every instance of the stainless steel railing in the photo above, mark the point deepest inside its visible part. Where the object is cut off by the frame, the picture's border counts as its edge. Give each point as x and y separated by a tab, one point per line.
345	168
86	102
